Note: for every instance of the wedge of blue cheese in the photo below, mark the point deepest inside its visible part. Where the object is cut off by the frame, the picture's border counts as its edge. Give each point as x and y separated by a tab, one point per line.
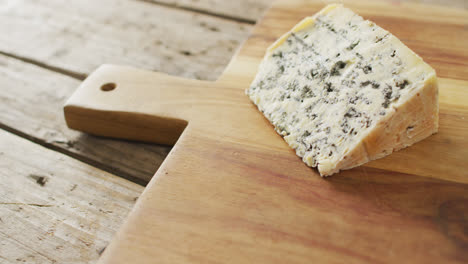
342	91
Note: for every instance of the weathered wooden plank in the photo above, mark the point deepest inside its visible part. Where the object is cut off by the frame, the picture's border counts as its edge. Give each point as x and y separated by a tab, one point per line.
31	104
55	209
248	11
78	36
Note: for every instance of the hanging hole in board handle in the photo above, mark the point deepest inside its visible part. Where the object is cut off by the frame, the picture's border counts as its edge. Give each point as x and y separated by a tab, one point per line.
108	87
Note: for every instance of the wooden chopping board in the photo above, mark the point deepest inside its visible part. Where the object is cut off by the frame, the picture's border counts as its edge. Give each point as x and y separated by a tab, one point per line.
232	191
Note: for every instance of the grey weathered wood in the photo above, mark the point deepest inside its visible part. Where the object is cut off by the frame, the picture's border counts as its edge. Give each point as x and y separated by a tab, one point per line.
78	36
31	103
248	11
55	209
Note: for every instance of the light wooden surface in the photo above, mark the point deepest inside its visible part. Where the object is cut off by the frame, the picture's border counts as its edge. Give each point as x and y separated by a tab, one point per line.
47	47
231	190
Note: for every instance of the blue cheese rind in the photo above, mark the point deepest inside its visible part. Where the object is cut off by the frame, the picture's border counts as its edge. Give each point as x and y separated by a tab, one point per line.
343	91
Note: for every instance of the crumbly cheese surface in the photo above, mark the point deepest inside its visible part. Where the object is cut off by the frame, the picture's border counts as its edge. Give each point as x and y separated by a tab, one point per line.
328	82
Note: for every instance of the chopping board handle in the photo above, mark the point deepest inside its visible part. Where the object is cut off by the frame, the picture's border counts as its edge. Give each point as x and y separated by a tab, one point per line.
124	102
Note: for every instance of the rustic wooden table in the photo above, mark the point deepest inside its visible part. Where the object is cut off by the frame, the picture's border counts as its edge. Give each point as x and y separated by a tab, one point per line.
63	194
